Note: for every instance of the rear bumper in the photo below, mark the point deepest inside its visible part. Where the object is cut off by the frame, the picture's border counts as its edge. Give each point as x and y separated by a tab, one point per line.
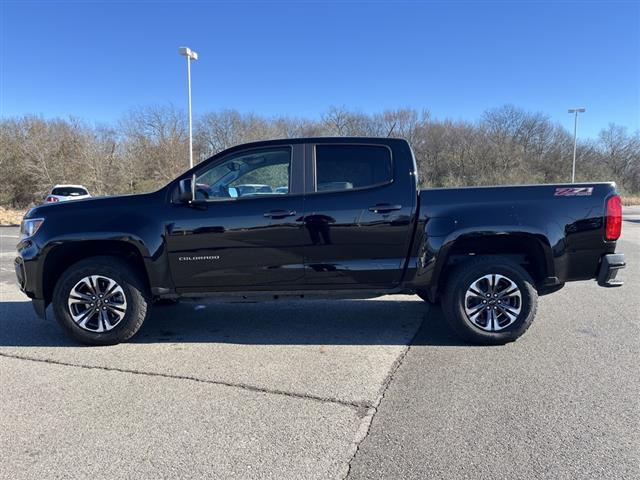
609	267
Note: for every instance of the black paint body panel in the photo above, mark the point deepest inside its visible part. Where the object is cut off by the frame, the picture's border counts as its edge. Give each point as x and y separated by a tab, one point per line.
568	230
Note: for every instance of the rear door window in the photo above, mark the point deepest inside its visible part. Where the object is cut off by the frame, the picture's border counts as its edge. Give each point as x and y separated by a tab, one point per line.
347	167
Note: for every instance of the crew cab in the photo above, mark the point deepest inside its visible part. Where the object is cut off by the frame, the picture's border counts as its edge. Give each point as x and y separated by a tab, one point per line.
351	223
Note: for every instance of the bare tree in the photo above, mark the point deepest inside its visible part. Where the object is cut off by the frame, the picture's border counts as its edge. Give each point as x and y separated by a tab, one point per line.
149	147
155	141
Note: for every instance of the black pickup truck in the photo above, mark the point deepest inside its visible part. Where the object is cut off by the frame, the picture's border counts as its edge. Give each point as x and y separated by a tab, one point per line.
328	217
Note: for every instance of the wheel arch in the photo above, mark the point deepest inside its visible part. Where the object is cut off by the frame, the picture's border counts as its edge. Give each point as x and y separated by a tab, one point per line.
61	256
530	250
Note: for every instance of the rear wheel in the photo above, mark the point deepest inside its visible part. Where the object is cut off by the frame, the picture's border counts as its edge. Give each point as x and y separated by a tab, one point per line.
100	301
490	301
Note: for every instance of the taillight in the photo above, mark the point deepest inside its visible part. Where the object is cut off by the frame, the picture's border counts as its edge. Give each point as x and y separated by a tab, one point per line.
613	224
52	199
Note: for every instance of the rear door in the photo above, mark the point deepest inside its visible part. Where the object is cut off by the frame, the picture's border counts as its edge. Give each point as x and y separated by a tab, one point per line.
241	238
359	206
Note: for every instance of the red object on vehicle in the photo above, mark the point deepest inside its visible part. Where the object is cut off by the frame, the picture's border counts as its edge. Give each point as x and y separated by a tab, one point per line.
52	199
613	224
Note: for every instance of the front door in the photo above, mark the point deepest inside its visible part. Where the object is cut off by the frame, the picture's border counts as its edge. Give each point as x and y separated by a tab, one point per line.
247	230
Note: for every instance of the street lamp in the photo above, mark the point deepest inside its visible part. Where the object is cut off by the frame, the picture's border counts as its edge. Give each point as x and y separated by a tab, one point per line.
191	55
576	111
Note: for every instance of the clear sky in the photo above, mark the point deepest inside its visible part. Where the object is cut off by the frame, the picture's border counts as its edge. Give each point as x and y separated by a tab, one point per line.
96	60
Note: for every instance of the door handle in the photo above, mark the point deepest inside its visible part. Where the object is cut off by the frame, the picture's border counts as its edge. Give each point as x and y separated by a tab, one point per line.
280	213
384	208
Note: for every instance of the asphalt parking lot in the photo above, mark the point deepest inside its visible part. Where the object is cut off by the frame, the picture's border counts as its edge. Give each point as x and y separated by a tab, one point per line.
359	389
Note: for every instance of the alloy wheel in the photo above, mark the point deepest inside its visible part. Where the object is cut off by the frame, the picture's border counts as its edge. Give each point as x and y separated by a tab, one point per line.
97	303
493	302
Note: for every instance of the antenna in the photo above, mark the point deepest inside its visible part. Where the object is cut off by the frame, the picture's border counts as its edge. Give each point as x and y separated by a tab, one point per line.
391	129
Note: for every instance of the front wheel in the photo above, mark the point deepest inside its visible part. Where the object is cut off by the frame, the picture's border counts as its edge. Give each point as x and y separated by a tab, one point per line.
490	301
100	301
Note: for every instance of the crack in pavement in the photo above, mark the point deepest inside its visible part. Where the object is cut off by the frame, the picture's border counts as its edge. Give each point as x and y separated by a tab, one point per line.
366	411
361	408
367	421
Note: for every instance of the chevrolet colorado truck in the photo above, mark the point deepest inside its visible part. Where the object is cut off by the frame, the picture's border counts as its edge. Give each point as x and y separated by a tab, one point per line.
317	217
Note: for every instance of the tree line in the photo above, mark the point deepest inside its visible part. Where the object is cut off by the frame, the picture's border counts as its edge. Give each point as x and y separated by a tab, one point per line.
149	146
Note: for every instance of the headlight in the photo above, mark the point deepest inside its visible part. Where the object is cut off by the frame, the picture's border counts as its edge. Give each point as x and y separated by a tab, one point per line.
30	226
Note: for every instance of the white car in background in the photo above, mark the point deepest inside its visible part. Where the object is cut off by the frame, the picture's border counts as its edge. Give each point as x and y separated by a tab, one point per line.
63	193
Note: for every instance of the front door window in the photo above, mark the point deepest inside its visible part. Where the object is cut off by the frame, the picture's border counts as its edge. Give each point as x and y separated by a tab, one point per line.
250	174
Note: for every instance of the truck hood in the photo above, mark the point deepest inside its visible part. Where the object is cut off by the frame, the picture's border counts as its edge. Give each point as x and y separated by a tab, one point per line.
93	204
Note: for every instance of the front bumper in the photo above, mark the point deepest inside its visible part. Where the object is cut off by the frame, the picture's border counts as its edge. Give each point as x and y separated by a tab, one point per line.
40	307
25	265
609	266
21	274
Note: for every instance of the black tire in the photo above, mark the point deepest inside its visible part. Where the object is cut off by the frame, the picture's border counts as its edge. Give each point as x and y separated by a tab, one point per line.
461	278
137	300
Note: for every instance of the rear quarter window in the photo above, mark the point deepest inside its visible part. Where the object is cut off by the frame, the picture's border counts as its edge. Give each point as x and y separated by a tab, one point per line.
346	167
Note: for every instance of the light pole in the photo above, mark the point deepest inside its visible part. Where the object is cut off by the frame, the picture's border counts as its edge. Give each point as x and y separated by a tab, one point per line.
191	55
576	111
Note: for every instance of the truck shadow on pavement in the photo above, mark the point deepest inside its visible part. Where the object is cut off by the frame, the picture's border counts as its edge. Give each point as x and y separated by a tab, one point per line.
340	322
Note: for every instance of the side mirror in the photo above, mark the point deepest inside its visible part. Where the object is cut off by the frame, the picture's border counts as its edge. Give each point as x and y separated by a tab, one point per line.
186	189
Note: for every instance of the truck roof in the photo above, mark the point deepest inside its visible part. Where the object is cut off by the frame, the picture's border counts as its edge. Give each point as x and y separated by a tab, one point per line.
296	141
281	141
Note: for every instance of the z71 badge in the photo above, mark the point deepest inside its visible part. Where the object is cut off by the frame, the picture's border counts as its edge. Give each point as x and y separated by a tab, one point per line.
573	191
